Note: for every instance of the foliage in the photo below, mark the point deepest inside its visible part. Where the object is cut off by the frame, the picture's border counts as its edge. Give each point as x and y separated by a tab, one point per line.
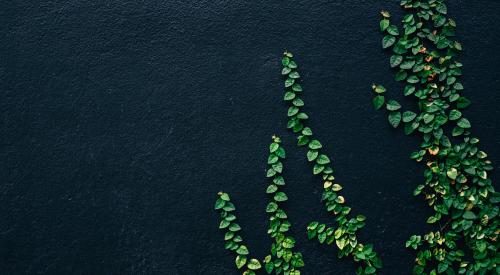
282	260
234	241
343	234
456	184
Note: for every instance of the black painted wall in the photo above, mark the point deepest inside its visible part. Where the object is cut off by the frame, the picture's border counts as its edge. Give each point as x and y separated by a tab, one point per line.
120	121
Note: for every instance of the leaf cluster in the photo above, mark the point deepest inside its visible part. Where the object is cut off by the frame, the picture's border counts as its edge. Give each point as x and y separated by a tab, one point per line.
456	185
234	241
344	233
282	258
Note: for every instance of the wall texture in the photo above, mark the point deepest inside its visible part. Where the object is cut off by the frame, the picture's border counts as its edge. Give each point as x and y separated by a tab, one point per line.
120	120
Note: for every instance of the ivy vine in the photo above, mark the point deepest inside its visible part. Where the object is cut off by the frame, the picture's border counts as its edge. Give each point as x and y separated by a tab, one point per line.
283	259
343	234
234	241
456	186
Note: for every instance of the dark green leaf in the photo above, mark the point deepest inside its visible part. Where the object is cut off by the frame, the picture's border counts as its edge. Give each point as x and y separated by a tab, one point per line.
393	105
378	101
253	264
455	114
396	60
322	159
240	261
219	203
315	144
311	155
384	23
394	119
388	41
280	196
408	116
464	123
242	250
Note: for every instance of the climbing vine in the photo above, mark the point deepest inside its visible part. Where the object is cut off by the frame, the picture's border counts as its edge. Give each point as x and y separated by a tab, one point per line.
457	187
343	234
282	260
234	241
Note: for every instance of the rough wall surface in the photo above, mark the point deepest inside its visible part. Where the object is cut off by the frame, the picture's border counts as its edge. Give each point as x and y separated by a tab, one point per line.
120	120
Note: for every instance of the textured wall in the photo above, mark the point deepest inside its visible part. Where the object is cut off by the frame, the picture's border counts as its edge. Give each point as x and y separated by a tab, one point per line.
120	120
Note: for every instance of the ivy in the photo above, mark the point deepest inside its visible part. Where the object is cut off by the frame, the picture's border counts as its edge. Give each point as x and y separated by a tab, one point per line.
234	241
283	259
456	184
344	233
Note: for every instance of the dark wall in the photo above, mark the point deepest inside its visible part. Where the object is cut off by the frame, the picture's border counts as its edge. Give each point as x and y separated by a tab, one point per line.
120	121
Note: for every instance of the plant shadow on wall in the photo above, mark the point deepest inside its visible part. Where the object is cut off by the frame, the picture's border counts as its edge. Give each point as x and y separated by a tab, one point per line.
456	183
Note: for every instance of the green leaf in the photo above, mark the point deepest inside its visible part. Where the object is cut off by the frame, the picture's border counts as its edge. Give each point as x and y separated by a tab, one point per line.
311	155
452	173
271	207
281	152
285	61
388	41
253	264
271	189
278	167
379	89
289	82
298	102
289	96
322	159
294	74
442	267
273	147
455	114
318	169
242	250
409	89
315	144
463	102
431	219
396	60
296	87
286	71
407	65
393	30
240	261
229	235
441	7
228	207
307	131
224	224
384	23
378	101
219	203
269	267
280	196
394	119
293	111
370	270
457	131
393	105
224	196
408	116
272	159
469	215
464	123
234	227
